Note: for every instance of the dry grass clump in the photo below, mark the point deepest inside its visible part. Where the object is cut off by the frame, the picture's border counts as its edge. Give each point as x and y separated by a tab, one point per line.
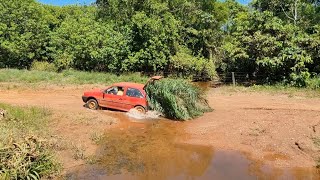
23	154
27	159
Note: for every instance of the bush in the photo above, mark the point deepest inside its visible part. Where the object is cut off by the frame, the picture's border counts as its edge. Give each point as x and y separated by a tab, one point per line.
300	80
314	83
304	79
63	61
43	66
176	99
183	64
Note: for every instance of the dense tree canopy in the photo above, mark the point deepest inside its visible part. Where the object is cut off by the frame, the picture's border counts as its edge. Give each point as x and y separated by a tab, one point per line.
270	40
272	43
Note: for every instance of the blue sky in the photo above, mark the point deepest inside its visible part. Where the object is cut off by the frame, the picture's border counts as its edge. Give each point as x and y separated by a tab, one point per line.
244	1
67	2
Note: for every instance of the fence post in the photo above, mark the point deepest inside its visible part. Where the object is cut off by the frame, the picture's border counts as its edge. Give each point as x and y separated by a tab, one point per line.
233	79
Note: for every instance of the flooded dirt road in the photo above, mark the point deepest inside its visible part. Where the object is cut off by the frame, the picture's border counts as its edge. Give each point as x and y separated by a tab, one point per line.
154	149
247	136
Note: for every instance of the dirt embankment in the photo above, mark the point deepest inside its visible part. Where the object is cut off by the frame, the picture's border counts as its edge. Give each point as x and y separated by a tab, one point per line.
276	129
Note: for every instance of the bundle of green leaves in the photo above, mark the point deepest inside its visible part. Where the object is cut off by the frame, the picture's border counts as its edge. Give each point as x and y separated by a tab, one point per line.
177	99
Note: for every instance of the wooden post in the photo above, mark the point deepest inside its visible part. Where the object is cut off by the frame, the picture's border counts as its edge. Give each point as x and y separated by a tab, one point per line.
233	79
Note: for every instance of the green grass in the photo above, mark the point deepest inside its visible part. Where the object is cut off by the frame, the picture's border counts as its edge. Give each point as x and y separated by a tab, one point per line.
24	151
34	78
67	77
274	89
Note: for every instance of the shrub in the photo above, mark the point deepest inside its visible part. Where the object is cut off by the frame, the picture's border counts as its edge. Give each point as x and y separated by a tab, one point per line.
300	80
176	99
314	83
183	64
43	66
63	61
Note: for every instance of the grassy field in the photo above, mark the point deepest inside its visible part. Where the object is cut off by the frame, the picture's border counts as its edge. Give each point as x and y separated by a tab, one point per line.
274	89
67	77
24	151
72	77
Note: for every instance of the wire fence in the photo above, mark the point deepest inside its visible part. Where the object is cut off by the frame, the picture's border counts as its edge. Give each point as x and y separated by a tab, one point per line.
242	78
234	78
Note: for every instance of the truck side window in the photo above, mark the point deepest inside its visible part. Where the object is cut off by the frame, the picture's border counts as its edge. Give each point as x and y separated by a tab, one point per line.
115	91
112	90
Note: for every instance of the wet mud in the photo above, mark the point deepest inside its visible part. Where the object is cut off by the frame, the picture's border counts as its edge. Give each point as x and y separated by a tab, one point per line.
154	149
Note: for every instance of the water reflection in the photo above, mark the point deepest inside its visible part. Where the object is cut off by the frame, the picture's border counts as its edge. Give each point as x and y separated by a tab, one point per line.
150	152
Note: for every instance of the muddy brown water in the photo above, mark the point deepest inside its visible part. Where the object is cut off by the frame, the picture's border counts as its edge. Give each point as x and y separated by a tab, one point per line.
151	149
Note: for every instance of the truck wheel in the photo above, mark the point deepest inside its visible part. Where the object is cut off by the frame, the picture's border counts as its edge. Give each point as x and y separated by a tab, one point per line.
140	109
92	104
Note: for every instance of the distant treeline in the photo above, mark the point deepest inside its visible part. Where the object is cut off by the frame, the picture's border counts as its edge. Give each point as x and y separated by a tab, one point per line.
270	40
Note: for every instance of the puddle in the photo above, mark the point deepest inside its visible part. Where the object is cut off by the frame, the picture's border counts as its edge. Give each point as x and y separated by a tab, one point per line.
150	150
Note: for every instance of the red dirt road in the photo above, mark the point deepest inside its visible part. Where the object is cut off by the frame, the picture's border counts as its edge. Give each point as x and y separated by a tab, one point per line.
72	125
275	129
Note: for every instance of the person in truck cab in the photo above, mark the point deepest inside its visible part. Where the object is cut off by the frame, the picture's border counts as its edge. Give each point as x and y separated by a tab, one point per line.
120	91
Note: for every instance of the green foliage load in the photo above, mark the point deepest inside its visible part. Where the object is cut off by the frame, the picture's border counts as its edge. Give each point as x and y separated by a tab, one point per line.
177	99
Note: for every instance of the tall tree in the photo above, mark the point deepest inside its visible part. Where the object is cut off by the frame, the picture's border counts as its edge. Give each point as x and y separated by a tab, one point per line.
302	12
23	33
266	48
